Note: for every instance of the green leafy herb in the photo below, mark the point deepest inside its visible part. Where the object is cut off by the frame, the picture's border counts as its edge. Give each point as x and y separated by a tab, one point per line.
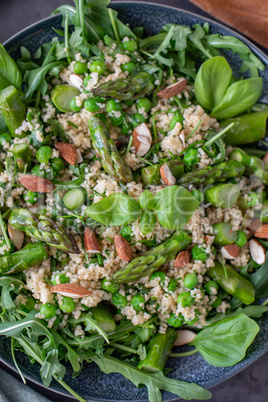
9	72
259	279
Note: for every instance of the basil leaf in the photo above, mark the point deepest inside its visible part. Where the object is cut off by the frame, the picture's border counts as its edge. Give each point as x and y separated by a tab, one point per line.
146	200
153	381
9	69
239	97
115	210
225	343
147	222
259	279
212	80
174	206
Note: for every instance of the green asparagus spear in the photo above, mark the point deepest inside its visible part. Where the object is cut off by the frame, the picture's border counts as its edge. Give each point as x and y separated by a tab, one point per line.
27	257
248	128
124	89
105	148
23	155
12	109
253	164
210	175
153	259
104	318
232	282
44	229
222	195
264	212
158	350
151	174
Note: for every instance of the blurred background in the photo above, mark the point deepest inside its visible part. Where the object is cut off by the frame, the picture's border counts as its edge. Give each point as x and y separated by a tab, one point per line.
251	385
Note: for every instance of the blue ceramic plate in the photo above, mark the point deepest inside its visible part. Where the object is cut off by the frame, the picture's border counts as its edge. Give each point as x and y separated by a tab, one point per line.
92	383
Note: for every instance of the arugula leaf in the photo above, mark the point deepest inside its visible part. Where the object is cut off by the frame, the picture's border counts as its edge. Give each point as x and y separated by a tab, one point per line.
115	210
9	286
212	80
225	342
90	324
153	381
259	279
174	206
9	70
50	367
239	97
196	37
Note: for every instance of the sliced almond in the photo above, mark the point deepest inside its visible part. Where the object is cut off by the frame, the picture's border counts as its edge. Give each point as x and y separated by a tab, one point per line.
209	240
76	81
173	89
230	251
90	242
67	151
16	236
167	176
184	336
265	158
182	259
36	183
123	248
257	251
182	137
70	290
262	231
142	139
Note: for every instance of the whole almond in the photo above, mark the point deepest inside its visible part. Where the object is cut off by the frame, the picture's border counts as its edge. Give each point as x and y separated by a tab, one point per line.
173	89
209	240
262	231
123	248
70	290
142	139
257	251
90	242
167	176
16	236
67	151
254	224
184	336
230	251
182	259
36	183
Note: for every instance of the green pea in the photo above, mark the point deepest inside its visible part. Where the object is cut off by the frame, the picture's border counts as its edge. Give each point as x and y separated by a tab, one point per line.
129	66
29	305
48	310
126	232
130	46
80	67
198	195
199	254
129	102
177	118
62	278
210	285
109	286
138	302
119	300
97	66
102	117
73	105
241	238
217	302
175	321
113	106
190	280
5	137
49	175
144	103
193	320
68	305
74	199
86	80
43	154
158	275
30	197
138	118
191	157
185	299
172	285
253	199
91	104
57	164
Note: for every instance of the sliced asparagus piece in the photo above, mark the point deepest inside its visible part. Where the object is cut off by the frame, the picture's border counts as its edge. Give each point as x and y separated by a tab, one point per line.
13	109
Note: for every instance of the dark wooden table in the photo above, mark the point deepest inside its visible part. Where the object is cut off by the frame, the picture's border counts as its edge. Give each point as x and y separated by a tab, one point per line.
251	385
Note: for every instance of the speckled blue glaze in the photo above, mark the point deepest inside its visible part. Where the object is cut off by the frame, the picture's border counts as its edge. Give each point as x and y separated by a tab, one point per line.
92	383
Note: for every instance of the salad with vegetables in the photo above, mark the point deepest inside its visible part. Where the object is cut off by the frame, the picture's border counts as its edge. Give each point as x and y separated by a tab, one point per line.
134	211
